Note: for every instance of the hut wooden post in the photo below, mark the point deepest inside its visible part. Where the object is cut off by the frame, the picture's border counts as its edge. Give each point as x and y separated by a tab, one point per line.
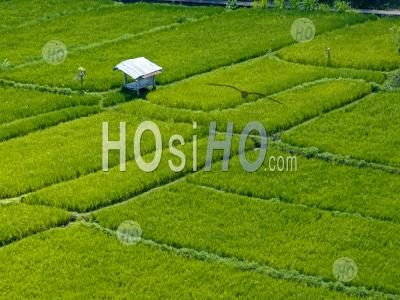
141	70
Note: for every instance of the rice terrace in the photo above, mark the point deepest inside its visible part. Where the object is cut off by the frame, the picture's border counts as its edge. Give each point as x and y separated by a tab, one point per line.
203	149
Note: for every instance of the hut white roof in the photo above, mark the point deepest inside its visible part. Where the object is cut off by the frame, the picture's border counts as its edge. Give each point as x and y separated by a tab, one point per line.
139	67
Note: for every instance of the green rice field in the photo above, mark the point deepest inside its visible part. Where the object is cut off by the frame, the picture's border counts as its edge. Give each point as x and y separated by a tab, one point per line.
319	218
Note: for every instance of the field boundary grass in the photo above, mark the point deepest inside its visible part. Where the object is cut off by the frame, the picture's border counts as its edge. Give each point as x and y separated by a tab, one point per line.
123	37
288	275
86	215
10	201
54	16
240	264
69	217
21	197
284	201
334	31
270	52
314	152
245	265
276	54
15	240
101	106
33	124
296	87
131	199
337	108
37	87
275	135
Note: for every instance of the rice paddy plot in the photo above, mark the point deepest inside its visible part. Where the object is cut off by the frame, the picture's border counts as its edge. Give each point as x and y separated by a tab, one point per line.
247	82
293	107
70	230
16	103
202	46
312	182
371	45
101	189
368	130
92	27
18	221
28	125
20	13
129	271
264	231
71	150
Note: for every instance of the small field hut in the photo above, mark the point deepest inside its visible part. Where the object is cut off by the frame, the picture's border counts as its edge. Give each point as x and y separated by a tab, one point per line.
141	70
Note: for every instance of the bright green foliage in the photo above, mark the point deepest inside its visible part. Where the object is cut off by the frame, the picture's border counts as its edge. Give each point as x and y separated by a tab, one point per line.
298	105
316	183
20	103
371	45
93	27
114	98
24	126
269	232
342	6
264	75
184	50
18	221
261	235
105	188
20	13
86	263
69	151
368	130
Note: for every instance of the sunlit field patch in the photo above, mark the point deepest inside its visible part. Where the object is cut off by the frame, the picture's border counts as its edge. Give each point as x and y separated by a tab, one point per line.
264	231
101	189
28	125
296	106
182	51
371	45
20	13
68	151
19	103
85	29
80	251
18	221
368	130
222	88
315	183
77	222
